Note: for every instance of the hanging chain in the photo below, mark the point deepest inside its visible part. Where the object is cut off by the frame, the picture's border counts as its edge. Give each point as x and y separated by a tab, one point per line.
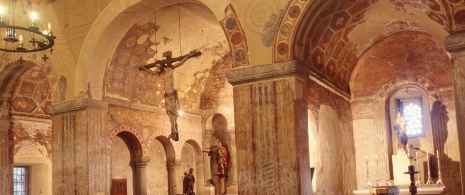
179	21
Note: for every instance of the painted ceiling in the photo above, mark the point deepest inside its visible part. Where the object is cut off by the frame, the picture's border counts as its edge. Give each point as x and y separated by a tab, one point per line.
333	35
31	96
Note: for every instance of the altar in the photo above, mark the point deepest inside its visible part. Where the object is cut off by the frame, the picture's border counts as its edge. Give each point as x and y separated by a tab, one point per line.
433	189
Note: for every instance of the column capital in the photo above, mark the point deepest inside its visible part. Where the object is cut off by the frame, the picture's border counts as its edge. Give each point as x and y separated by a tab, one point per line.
141	161
249	74
76	105
172	164
455	42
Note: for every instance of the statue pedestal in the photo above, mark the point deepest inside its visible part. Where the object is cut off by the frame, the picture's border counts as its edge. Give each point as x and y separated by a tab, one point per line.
400	163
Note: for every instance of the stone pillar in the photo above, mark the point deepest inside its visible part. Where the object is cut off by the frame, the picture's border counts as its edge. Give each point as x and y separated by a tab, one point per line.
455	44
271	128
80	162
140	168
174	178
6	161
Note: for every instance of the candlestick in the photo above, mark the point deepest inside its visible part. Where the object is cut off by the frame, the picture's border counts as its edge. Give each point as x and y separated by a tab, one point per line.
439	170
368	173
418	166
429	172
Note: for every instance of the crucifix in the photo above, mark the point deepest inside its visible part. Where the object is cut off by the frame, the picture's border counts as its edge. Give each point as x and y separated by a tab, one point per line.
165	69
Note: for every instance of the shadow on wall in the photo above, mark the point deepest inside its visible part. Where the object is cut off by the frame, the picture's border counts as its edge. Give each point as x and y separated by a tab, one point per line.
449	168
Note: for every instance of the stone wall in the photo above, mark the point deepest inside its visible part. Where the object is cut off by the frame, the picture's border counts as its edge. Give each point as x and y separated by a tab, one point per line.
331	142
411	59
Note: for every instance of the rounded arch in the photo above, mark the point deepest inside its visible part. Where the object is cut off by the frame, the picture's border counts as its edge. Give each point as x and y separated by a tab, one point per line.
98	47
404	81
283	45
380	104
132	135
15	68
26	143
166	143
199	163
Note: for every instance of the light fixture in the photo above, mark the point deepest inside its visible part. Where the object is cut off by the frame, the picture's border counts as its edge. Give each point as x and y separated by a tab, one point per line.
26	38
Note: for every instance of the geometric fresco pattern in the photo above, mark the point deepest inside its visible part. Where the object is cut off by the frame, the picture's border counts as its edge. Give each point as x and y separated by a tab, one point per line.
31	96
326	48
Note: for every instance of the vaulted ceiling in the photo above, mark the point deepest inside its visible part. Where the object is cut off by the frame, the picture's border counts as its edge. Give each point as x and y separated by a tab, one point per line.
334	35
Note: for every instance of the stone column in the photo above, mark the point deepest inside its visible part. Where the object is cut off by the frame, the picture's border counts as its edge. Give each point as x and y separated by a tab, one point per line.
140	168
6	161
271	128
174	178
80	162
455	44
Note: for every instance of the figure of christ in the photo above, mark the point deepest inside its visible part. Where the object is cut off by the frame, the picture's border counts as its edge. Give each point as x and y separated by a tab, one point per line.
165	69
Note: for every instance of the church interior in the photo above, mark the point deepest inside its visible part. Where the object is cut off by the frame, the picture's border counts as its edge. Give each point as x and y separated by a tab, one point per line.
303	95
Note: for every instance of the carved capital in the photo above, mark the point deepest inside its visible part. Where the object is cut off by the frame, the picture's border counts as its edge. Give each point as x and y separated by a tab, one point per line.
142	161
455	43
249	74
173	164
76	105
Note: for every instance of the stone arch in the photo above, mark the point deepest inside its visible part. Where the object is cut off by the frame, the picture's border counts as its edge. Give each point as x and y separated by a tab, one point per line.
406	80
24	143
380	102
167	145
133	135
14	68
98	47
236	37
286	31
199	164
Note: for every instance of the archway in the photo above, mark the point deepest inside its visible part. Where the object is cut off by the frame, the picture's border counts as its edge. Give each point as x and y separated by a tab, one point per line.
126	150
161	152
33	168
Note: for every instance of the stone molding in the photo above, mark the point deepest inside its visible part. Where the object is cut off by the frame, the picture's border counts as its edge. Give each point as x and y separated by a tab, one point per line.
250	74
455	43
327	85
76	105
146	108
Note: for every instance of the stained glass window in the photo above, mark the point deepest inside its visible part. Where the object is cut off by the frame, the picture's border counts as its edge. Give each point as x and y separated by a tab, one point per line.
414	118
20	180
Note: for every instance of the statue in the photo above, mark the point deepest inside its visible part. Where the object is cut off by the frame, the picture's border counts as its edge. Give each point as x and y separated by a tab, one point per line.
222	159
401	129
165	69
188	183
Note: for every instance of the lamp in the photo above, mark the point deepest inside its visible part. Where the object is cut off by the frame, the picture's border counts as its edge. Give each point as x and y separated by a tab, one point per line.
30	38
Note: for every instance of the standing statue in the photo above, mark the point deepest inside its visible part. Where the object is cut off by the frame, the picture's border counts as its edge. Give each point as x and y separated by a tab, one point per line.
188	183
401	129
165	69
222	160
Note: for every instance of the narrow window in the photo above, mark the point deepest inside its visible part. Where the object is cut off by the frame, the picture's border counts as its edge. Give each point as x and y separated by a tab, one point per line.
412	110
20	178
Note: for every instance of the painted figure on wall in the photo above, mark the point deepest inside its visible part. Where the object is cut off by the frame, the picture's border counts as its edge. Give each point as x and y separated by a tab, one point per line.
165	69
188	183
401	129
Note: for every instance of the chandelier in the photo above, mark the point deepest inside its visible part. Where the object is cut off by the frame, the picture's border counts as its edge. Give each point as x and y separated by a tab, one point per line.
26	38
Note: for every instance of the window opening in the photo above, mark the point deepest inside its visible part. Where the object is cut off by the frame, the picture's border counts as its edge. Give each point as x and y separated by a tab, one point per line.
20	180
